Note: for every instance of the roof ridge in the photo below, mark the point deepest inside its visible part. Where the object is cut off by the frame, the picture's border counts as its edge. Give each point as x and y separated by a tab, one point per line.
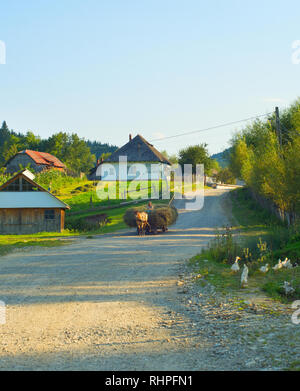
143	139
129	148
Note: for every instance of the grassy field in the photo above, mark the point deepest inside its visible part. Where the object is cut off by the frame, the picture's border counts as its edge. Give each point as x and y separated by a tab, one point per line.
257	238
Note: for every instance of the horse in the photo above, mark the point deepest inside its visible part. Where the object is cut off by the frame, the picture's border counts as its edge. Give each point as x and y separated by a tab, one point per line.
141	222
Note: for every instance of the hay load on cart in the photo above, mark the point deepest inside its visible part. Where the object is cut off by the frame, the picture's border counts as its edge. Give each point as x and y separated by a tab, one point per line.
160	218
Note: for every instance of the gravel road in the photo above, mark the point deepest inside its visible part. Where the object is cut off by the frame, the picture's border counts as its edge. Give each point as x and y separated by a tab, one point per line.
122	302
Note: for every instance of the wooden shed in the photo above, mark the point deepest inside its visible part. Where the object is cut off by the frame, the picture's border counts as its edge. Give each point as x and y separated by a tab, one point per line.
28	208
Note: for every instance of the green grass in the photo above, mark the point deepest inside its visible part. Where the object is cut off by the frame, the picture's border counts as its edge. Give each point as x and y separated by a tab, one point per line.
86	196
253	228
224	280
59	182
282	241
216	273
82	201
8	243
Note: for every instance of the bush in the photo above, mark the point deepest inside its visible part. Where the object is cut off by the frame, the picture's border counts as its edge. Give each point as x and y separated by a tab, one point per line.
225	176
4	178
56	180
223	248
86	224
79	225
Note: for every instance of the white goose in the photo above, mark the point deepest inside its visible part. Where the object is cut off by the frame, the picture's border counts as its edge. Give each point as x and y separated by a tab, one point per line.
288	289
278	266
265	268
235	267
244	277
287	263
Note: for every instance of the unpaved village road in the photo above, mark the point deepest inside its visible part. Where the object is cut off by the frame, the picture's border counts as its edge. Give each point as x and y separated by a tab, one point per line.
114	303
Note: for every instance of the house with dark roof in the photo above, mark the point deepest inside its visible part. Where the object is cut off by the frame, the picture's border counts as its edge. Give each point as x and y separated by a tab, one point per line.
27	208
38	161
141	159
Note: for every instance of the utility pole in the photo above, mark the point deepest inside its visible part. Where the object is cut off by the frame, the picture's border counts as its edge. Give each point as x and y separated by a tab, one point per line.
278	128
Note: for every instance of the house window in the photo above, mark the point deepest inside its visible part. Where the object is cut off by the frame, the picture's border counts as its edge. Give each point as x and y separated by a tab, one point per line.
49	214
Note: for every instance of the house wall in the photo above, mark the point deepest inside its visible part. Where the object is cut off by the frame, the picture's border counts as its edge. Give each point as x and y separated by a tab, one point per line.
29	221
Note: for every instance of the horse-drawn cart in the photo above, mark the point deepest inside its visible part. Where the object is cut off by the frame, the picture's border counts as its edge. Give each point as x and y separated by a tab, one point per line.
160	218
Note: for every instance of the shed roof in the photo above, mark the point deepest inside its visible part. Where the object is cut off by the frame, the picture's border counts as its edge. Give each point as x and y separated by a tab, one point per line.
29	199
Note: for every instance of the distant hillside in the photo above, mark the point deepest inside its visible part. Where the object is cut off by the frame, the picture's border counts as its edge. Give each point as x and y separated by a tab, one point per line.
222	157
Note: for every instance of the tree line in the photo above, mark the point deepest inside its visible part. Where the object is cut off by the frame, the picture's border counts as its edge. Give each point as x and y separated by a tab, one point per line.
78	154
268	165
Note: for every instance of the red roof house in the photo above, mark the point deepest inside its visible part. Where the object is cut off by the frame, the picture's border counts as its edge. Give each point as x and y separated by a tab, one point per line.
39	161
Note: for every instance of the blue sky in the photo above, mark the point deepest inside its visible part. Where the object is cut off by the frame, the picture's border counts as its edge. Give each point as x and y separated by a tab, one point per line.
107	68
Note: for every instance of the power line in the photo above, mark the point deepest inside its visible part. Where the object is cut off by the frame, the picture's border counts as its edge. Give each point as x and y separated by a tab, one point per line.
213	127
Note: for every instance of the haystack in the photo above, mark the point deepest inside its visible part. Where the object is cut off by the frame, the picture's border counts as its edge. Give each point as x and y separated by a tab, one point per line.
161	216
